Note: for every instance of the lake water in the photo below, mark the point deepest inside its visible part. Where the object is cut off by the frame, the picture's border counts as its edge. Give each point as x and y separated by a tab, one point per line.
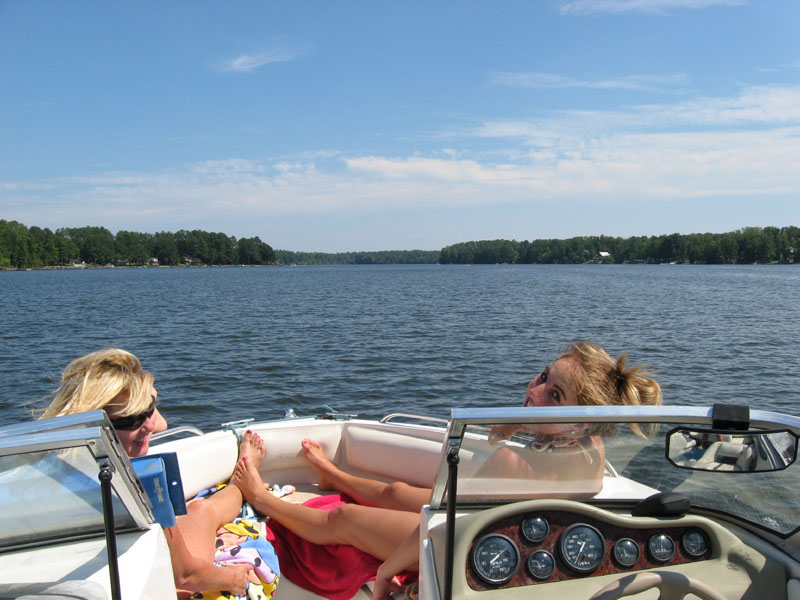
230	343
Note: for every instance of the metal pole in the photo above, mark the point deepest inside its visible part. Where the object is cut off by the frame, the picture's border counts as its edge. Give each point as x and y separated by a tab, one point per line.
111	535
452	488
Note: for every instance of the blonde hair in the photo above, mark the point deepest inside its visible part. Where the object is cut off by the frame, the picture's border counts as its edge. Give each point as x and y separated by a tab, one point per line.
94	381
600	380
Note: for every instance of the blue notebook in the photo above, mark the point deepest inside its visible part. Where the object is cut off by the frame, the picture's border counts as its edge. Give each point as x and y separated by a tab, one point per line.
161	479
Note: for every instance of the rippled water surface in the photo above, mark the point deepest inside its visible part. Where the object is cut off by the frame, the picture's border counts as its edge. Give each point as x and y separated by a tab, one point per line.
229	343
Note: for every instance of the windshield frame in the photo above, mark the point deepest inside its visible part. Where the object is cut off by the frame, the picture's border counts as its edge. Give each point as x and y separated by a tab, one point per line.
462	419
47	443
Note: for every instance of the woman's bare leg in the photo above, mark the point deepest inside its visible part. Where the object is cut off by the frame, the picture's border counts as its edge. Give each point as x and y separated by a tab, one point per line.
199	526
377	531
367	492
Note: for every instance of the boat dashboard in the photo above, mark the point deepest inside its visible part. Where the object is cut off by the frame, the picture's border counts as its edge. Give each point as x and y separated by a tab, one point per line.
538	548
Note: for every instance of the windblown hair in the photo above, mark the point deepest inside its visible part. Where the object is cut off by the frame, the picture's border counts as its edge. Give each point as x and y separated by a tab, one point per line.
601	380
96	380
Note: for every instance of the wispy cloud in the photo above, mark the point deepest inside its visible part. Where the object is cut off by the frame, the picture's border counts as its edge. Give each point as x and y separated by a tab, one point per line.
627	83
281	50
743	146
654	7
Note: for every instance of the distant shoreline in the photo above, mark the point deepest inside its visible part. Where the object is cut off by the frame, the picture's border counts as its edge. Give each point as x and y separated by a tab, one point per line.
636	264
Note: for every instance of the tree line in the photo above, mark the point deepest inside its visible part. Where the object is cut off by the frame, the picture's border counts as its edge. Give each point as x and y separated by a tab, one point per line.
36	247
744	246
382	257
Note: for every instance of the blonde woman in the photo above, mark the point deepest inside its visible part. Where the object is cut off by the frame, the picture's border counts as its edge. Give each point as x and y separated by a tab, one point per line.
385	520
113	380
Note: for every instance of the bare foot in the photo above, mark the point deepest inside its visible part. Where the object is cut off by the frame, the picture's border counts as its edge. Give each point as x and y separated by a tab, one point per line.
312	452
247	479
253	447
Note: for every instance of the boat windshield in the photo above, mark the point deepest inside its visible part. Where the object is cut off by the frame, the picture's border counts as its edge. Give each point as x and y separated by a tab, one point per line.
747	476
50	489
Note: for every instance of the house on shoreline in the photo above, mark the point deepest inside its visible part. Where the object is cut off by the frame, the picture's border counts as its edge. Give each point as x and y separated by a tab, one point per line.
602	257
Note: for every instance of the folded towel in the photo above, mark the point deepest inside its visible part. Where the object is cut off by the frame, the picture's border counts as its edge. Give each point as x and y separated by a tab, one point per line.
245	541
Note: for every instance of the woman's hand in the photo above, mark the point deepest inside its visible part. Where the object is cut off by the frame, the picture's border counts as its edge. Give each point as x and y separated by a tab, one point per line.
385	583
239	577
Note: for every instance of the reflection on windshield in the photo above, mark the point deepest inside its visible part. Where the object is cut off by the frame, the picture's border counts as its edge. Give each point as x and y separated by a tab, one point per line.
50	495
513	462
507	462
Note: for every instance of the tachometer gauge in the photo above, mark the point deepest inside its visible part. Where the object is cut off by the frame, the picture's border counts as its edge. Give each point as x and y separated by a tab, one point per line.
582	547
495	558
541	564
695	543
626	552
661	547
535	529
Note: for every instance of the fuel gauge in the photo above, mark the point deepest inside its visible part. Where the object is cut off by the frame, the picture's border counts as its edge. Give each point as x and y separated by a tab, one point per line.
535	529
626	552
541	564
695	543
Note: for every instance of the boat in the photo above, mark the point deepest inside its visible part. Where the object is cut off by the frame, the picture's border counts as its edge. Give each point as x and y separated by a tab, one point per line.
706	506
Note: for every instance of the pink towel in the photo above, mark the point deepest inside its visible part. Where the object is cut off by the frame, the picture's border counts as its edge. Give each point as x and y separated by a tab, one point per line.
334	571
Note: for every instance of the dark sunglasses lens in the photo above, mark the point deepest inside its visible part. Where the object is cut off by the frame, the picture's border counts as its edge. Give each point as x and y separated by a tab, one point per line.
126	423
134	421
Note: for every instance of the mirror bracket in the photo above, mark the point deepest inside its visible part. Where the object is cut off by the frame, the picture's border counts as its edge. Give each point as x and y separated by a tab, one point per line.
731	416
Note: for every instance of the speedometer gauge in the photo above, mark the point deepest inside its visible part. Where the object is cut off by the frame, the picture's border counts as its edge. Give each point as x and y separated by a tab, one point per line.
582	547
495	558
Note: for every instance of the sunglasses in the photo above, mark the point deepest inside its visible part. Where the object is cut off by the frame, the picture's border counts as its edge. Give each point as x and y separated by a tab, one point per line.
134	421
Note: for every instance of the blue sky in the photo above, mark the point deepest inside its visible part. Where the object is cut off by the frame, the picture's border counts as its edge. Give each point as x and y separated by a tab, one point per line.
336	126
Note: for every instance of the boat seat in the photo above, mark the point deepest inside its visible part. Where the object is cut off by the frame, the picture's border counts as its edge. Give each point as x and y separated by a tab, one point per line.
727	456
66	590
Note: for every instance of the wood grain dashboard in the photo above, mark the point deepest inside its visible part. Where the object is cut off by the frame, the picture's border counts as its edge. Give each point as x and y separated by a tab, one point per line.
575	546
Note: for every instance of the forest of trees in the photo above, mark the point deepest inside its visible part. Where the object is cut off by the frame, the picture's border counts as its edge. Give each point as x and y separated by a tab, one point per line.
745	246
33	247
384	257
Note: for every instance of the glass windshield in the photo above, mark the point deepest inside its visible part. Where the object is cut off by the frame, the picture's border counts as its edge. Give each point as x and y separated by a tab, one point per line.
594	462
52	495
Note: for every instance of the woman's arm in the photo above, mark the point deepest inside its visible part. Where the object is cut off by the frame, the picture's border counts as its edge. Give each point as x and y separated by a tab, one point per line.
406	557
197	575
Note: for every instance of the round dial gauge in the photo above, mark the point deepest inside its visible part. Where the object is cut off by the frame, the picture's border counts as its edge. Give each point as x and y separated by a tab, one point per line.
661	547
626	552
694	543
541	564
535	529
495	558
582	547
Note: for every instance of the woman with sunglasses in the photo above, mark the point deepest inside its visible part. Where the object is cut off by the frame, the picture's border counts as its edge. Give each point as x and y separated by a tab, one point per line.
113	380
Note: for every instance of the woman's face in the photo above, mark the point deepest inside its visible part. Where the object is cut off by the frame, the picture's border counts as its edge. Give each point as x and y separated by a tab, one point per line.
553	387
137	441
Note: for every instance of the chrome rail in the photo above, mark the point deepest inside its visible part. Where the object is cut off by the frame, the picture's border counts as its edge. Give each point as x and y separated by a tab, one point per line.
177	430
400	415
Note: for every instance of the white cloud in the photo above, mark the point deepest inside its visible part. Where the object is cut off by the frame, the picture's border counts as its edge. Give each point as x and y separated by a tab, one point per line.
742	146
586	7
550	81
281	51
754	107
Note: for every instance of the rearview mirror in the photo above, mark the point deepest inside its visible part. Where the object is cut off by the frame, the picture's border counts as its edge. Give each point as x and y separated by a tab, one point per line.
732	451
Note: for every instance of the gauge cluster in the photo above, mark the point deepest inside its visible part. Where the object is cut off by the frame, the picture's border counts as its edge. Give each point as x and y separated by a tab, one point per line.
554	546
